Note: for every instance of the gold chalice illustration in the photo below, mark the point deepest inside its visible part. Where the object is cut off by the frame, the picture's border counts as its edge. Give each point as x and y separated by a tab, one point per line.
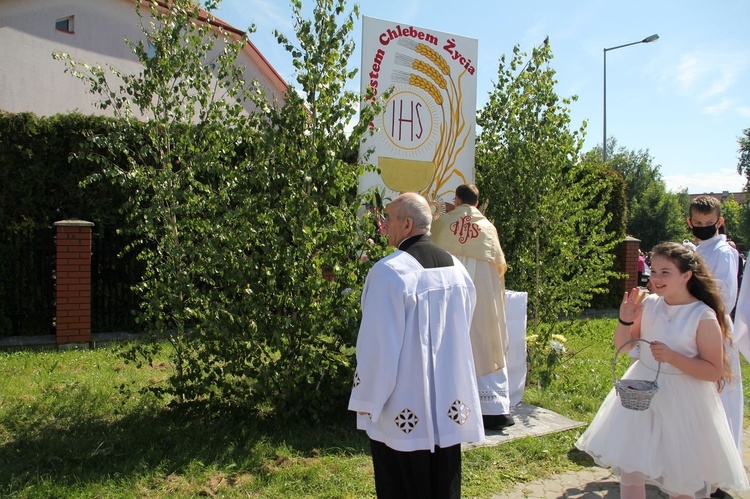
405	175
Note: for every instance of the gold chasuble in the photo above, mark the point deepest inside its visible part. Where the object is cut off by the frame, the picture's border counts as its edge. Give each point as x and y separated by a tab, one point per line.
470	237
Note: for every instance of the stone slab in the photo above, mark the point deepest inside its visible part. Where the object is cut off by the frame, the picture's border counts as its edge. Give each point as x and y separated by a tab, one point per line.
594	482
531	421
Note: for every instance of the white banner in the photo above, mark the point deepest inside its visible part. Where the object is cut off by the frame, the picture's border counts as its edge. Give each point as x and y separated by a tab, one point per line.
424	139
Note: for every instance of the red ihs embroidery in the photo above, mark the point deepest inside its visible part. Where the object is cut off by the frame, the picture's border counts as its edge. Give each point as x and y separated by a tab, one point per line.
465	229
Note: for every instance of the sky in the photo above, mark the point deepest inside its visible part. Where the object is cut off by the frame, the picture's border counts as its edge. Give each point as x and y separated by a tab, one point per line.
684	98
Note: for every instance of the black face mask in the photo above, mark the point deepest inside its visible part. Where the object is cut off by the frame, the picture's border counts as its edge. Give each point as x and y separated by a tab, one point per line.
704	233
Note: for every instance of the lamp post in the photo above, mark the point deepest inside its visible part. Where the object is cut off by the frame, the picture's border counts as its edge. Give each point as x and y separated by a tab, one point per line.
648	39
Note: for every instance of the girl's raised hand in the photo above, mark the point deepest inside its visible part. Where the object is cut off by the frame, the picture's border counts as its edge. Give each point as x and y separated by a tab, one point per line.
632	305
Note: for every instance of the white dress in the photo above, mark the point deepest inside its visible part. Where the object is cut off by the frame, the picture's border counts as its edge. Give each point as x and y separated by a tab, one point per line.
682	442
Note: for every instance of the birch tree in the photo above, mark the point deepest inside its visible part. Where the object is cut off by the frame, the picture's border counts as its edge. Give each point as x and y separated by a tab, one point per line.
241	219
548	207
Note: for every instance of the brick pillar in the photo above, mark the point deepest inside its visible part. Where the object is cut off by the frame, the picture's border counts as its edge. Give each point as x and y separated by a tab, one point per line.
73	288
629	262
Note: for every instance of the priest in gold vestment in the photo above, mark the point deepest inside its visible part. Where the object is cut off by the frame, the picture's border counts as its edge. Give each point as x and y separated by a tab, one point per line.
467	234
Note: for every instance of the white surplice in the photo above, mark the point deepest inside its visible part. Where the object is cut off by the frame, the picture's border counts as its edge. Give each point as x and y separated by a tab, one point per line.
415	387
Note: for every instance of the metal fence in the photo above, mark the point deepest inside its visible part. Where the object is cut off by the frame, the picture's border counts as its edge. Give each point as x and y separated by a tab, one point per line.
27	283
113	273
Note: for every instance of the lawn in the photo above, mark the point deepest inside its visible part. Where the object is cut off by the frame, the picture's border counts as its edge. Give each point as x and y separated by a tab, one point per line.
67	429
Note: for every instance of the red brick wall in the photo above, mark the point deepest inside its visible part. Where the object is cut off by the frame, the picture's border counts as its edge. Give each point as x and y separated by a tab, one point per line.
73	284
629	262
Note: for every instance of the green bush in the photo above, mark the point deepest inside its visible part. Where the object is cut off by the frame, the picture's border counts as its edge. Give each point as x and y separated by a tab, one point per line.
41	170
552	212
236	215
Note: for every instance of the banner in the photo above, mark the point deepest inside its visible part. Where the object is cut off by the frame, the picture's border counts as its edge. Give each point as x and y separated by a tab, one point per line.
424	138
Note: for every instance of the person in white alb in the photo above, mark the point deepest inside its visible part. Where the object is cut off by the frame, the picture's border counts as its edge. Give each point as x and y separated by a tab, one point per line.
414	389
467	234
705	220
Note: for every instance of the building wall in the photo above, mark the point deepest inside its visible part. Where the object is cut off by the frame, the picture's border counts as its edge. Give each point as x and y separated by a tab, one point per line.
33	81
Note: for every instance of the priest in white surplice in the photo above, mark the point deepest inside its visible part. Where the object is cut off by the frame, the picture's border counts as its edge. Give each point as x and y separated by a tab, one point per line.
467	234
414	389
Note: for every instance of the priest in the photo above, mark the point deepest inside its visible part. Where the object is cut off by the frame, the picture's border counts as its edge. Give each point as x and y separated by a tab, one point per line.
467	234
414	388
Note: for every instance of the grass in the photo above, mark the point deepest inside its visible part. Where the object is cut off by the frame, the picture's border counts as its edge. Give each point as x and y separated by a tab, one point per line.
67	430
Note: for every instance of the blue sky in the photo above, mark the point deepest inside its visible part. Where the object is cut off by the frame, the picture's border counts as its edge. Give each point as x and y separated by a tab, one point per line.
685	97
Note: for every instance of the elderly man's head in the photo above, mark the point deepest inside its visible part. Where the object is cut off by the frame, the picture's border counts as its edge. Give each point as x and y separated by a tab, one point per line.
406	216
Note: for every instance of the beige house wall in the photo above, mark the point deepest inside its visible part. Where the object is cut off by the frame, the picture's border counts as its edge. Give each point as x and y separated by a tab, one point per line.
33	81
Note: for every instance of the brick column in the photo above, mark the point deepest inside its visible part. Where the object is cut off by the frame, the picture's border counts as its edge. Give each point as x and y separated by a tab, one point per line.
629	262
73	288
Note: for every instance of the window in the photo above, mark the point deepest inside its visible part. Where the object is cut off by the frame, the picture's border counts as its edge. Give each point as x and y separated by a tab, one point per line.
65	24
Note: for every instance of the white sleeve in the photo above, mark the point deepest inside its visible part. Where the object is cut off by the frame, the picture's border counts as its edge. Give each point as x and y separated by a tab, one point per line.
741	333
379	343
726	274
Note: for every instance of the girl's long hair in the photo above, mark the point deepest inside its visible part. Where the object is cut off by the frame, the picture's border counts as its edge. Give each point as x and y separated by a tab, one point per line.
703	286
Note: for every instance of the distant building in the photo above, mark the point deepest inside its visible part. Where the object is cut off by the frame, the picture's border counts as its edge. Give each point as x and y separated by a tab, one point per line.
91	31
739	197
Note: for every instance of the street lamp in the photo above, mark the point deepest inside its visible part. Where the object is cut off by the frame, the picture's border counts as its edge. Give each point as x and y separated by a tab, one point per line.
648	39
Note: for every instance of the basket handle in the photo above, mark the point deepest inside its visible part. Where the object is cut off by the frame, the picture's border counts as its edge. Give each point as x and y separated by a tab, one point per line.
614	360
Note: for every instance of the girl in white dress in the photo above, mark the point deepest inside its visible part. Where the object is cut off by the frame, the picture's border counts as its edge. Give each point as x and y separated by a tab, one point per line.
682	442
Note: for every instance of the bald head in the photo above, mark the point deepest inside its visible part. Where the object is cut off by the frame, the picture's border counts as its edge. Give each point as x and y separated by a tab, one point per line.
406	216
412	205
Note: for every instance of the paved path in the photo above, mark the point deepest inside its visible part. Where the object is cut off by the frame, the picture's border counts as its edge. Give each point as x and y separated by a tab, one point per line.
598	482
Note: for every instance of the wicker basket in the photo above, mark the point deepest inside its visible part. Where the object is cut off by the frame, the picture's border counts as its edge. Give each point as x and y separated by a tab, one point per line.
635	394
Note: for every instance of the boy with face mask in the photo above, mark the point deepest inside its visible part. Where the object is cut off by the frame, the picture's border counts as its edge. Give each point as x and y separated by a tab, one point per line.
705	220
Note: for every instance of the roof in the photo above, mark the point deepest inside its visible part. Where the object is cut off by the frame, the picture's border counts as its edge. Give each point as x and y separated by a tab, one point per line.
739	197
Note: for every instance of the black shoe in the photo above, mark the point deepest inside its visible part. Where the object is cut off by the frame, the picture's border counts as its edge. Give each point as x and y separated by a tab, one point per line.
720	493
497	422
507	420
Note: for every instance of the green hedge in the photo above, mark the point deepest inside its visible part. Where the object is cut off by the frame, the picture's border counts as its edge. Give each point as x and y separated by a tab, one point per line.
40	172
40	176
